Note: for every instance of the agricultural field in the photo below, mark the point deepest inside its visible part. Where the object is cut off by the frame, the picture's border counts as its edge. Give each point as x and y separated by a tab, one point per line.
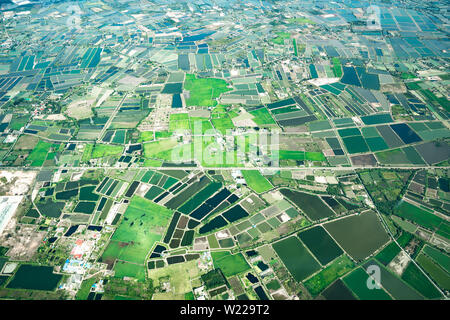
39	153
224	150
256	181
416	279
173	227
100	151
328	275
262	117
420	216
204	91
281	37
230	264
356	282
435	271
142	225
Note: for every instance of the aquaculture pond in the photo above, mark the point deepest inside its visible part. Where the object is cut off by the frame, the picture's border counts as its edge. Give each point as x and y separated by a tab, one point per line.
50	209
350	77
216	223
35	278
235	213
310	204
86	193
321	244
296	258
338	291
351	233
405	133
85	207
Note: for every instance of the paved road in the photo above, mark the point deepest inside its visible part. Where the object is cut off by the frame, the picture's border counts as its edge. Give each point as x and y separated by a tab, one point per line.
111	117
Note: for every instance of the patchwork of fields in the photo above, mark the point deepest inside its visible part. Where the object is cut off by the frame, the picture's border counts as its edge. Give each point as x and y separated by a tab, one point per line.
224	150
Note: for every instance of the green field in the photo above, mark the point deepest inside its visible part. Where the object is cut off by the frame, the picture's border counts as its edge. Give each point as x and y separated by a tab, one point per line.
418	215
179	121
200	125
388	253
204	91
179	275
152	149
256	181
39	153
393	284
223	124
143	224
337	67
325	277
181	152
87	152
439	257
85	288
301	155
416	279
208	151
262	117
281	36
212	241
230	264
221	120
391	157
18	122
314	156
404	239
105	150
132	270
300	20
294	44
404	224
434	271
146	136
442	101
357	282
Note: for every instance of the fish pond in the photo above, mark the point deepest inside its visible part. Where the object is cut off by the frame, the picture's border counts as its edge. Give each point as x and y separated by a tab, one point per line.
35	278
